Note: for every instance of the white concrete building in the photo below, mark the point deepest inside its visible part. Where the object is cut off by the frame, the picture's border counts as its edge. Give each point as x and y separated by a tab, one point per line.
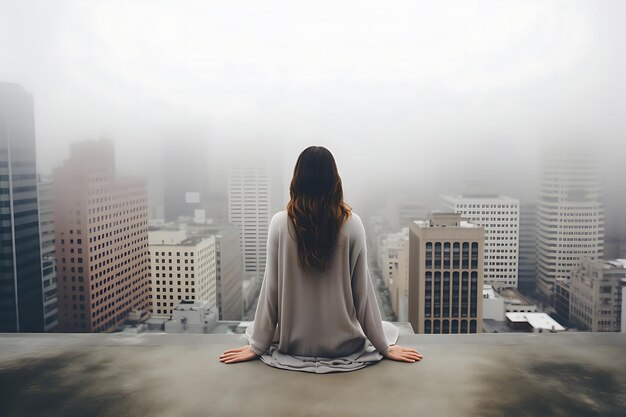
499	216
182	268
191	317
533	322
253	198
596	291
229	266
570	217
493	304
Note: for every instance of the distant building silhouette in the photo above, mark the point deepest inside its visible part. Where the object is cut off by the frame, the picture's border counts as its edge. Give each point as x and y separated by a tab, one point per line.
570	217
185	177
253	198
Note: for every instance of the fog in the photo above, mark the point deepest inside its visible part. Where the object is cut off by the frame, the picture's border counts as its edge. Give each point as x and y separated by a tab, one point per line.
411	97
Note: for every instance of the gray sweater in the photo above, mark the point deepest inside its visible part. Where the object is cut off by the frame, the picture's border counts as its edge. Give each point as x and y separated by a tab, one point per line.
329	313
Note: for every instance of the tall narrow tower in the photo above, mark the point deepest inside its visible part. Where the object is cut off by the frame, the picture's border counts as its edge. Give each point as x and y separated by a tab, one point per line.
570	217
252	201
21	278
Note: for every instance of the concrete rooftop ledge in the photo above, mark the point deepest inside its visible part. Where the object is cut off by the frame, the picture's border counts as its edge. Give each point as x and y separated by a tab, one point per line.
566	374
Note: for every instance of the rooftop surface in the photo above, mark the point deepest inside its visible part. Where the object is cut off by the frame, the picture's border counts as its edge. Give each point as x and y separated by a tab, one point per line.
565	374
513	295
487	198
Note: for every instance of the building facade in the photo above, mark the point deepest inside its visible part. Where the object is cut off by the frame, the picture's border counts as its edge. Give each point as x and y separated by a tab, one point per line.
388	255
570	217
185	178
229	265
527	275
48	257
399	287
446	275
596	295
229	268
252	201
499	216
182	268
102	255
21	277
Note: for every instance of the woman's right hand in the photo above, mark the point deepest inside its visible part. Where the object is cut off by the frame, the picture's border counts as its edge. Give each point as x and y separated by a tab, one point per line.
403	354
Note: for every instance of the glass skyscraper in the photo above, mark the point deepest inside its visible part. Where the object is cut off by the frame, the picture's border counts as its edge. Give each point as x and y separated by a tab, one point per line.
21	284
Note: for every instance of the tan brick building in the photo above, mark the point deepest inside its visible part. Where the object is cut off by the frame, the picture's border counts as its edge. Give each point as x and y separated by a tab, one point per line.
445	275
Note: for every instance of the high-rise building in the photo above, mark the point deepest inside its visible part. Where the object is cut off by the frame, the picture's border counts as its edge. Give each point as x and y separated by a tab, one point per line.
102	253
21	278
48	257
399	286
229	268
570	216
400	211
182	268
185	178
253	198
499	216
229	264
527	276
596	295
446	275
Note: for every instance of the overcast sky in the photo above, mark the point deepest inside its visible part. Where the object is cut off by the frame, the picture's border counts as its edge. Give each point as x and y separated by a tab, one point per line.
405	93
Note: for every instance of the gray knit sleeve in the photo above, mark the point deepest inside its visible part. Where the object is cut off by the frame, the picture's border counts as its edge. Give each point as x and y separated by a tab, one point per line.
266	316
365	303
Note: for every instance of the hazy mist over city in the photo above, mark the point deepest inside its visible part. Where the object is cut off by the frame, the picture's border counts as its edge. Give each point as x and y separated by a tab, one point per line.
146	153
411	97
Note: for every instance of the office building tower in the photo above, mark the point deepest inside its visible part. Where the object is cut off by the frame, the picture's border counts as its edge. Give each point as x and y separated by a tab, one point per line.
399	286
182	268
570	217
185	178
527	276
21	278
253	198
102	253
400	211
48	256
229	268
596	295
389	252
499	216
446	275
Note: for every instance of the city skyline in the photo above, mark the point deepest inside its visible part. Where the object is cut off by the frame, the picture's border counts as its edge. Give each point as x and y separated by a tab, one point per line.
391	82
212	129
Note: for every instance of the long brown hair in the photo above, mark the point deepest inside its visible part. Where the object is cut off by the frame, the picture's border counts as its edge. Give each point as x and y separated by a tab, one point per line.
316	207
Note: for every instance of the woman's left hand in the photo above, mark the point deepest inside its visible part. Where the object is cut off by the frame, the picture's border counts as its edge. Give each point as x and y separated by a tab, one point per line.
241	354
